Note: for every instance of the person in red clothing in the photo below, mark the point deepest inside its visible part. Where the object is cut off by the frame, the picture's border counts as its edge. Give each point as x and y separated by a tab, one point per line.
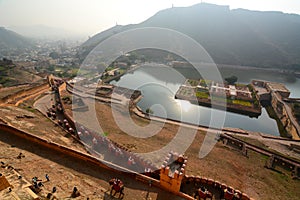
118	186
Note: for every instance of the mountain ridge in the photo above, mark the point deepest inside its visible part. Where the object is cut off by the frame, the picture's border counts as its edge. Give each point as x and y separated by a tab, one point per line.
11	39
40	31
235	37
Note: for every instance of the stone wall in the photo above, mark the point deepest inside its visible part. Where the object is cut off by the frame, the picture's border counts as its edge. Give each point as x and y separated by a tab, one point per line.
275	162
212	185
284	114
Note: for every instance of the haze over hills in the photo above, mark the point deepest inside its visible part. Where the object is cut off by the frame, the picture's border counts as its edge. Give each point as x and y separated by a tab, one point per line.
45	32
235	37
12	40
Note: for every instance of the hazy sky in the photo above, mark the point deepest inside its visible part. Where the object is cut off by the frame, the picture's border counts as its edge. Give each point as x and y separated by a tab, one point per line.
92	16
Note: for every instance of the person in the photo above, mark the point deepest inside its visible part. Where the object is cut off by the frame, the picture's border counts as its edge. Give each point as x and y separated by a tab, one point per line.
117	181
35	184
116	185
21	155
95	142
130	161
150	183
54	189
40	184
75	192
34	179
118	152
47	177
79	134
236	195
111	148
230	191
147	171
75	189
49	195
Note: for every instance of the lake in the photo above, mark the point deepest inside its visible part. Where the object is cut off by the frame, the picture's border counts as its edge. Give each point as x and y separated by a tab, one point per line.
159	83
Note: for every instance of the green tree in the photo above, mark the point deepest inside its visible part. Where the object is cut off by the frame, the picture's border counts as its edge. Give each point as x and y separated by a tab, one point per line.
54	55
51	68
149	111
231	80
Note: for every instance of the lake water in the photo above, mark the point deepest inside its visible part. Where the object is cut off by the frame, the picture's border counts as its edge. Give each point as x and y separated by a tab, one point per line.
159	84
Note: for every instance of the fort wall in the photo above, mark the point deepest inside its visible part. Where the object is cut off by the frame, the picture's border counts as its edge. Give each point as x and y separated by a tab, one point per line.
284	114
278	96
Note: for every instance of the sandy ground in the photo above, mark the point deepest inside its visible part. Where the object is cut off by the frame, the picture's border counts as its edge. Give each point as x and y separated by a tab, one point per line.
65	172
222	163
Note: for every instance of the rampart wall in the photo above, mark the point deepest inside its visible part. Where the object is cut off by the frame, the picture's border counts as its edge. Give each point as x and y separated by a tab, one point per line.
285	115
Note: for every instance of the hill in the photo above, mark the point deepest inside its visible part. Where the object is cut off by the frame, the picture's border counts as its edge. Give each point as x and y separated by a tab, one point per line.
12	74
45	32
234	37
12	40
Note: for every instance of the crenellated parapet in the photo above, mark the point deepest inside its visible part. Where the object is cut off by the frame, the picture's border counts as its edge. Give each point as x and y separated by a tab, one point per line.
219	189
172	171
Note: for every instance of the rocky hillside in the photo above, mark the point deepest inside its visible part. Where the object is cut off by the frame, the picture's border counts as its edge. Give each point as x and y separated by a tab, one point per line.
235	37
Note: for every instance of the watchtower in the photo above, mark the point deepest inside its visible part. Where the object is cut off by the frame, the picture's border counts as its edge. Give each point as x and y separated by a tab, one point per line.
172	172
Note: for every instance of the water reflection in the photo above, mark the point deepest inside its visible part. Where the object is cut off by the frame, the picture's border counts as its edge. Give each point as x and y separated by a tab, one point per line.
165	81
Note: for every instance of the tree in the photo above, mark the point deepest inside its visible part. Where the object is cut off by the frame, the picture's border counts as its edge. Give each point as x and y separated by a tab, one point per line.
51	68
231	80
54	55
149	111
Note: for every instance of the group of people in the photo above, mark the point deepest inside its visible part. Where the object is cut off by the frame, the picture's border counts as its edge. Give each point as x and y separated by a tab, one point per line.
38	183
227	194
117	186
203	193
230	194
115	183
99	143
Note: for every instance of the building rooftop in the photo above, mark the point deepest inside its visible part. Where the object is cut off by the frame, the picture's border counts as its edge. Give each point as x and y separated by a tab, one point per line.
277	87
